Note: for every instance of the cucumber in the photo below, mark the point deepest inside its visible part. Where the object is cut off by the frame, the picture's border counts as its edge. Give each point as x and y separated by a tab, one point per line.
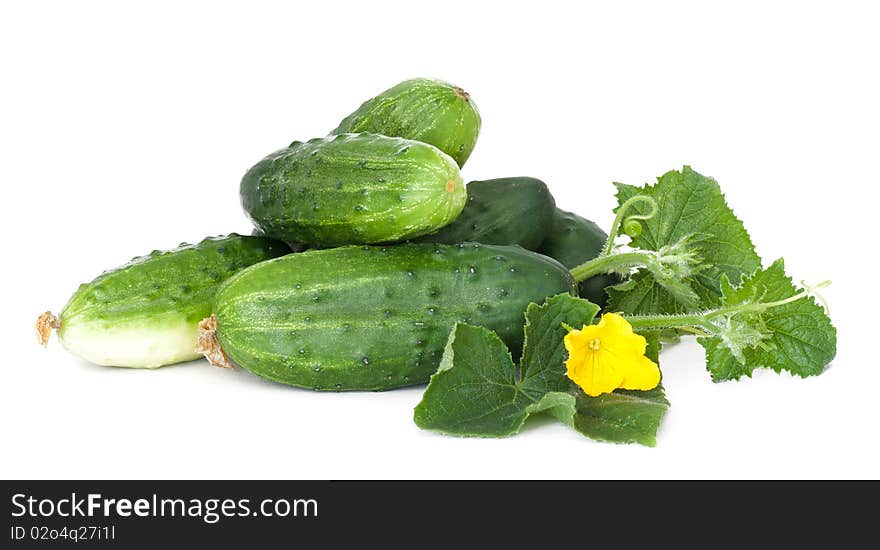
501	211
353	189
425	110
372	318
573	240
294	247
146	313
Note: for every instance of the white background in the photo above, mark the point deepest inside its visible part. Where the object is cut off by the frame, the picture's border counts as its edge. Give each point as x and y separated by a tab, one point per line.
124	129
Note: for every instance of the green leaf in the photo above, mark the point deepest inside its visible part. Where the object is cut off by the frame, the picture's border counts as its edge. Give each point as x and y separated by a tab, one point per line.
558	404
690	208
477	391
622	416
797	337
542	366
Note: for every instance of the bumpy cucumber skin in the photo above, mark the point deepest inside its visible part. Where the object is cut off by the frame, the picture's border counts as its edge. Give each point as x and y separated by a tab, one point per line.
146	313
504	211
573	240
353	189
376	318
294	247
425	110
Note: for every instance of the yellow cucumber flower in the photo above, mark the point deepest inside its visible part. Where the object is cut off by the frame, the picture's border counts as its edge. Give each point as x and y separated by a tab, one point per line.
609	355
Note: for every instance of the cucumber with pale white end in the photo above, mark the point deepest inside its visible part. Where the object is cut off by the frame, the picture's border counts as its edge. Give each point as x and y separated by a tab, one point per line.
146	313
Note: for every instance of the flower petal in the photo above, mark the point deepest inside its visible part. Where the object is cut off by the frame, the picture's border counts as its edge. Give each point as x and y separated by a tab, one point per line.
618	361
593	372
641	374
616	324
619	336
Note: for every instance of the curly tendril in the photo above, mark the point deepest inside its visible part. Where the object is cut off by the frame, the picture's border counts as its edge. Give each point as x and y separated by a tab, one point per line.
632	228
813	290
629	224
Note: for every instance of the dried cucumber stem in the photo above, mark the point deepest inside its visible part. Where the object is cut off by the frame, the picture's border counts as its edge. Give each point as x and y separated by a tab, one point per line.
44	325
209	346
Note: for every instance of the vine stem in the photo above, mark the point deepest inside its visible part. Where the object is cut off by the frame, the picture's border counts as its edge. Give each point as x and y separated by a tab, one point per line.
46	323
209	345
761	306
606	262
619	219
609	263
702	320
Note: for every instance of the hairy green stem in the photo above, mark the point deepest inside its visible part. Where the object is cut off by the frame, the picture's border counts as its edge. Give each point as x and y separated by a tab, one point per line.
607	262
619	219
703	320
610	263
698	320
763	306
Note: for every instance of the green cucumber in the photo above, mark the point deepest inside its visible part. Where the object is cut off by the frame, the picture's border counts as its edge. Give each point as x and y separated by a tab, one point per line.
294	247
353	189
146	313
573	240
372	318
425	110
501	211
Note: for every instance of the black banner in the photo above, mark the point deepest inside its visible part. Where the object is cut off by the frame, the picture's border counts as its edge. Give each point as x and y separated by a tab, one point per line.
143	514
